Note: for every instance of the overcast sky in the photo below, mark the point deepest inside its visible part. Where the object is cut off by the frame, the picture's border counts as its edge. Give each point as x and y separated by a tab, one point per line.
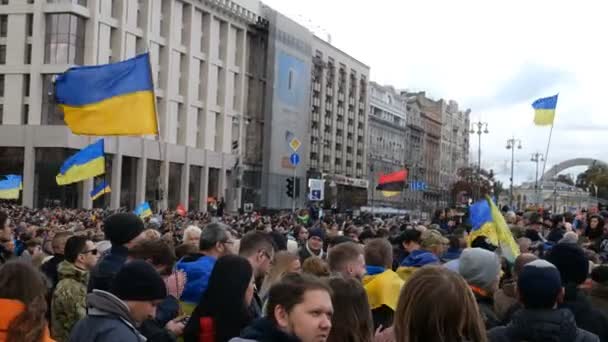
495	57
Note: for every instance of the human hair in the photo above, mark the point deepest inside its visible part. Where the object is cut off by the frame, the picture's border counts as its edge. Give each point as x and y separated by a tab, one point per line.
290	292
282	263
33	243
3	218
224	300
436	305
212	234
21	281
342	254
59	241
379	252
191	230
521	261
352	315
185	249
315	266
253	242
74	246
158	252
151	234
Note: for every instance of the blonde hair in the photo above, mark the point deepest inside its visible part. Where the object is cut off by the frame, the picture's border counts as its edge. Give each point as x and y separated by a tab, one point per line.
151	234
282	263
315	266
436	305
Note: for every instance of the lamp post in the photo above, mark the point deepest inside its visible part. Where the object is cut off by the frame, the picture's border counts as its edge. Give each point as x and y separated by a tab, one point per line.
536	157
511	146
479	128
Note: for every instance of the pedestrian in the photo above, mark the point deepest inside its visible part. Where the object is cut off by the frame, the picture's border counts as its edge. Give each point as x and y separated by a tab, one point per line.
221	205
33	249
347	260
192	236
539	289
124	230
22	304
299	310
284	262
50	267
381	284
258	248
352	318
7	239
224	309
115	315
436	305
573	267
431	248
216	241
599	290
68	305
481	270
316	266
505	299
300	233
314	245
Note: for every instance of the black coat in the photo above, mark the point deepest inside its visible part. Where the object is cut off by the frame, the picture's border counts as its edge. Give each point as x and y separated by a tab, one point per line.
106	269
264	330
486	309
542	325
587	317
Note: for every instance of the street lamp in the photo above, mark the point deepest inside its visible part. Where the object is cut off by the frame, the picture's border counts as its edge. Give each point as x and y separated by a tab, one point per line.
479	128
537	158
511	146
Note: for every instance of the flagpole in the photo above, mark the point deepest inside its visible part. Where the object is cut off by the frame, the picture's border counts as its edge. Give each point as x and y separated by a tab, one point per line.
542	177
158	135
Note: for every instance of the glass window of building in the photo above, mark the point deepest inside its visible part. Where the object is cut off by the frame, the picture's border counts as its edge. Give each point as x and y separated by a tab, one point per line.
65	35
1	85
51	114
3	25
3	54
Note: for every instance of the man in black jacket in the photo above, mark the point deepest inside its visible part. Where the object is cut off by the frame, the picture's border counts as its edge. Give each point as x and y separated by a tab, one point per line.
539	289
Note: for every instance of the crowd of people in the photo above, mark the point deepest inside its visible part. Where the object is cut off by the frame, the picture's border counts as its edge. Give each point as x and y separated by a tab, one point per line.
99	275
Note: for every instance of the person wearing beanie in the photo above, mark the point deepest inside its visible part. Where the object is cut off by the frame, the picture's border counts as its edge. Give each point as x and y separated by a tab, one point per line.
599	288
314	245
481	269
573	267
115	315
505	299
539	289
124	230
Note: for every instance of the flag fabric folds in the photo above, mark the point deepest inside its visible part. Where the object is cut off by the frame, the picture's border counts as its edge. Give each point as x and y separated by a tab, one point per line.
143	210
10	187
110	99
392	184
544	109
101	189
486	220
87	163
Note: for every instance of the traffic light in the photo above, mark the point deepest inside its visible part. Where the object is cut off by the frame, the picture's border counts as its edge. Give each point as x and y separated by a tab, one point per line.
290	189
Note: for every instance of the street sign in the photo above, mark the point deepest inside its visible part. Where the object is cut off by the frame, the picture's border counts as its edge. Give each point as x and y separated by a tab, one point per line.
295	144
294	159
317	189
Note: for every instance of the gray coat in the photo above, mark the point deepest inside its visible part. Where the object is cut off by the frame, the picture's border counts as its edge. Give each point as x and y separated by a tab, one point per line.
107	320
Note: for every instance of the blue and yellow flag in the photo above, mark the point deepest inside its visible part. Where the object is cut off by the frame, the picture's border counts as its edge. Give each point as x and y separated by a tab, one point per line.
110	99
101	189
143	210
545	110
10	187
487	221
87	163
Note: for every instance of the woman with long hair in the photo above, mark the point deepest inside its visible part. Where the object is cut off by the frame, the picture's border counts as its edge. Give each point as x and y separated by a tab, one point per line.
352	318
284	262
436	305
223	310
22	304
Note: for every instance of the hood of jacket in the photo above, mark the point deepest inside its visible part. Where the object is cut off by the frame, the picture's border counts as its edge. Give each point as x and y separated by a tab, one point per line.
419	258
102	303
543	325
264	330
67	270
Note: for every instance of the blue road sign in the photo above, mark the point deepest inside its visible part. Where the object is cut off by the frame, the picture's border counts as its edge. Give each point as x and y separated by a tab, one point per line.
294	159
315	195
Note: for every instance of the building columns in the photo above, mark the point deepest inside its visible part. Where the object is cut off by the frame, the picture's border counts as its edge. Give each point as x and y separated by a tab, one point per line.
116	181
204	189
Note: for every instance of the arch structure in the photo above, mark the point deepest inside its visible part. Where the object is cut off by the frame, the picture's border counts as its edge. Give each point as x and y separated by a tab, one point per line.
557	168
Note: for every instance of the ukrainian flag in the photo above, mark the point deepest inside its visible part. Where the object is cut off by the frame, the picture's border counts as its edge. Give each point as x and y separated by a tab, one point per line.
101	189
487	221
545	110
9	187
143	210
87	163
111	99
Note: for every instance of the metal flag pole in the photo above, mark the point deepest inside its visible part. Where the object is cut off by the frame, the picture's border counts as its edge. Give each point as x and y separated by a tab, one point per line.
293	199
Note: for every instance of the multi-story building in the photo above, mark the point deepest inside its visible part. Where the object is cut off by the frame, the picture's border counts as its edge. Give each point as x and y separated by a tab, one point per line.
201	53
339	124
454	141
386	141
414	154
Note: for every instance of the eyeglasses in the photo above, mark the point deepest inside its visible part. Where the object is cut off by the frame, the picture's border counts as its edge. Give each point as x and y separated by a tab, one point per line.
92	251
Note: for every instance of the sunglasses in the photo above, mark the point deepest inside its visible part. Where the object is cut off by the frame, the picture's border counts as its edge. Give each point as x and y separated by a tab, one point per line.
92	251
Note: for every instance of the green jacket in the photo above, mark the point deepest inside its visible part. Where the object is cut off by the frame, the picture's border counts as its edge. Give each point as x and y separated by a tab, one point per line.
69	300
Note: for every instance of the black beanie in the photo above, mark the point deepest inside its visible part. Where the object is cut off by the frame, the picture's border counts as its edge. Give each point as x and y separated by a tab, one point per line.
571	262
121	228
138	281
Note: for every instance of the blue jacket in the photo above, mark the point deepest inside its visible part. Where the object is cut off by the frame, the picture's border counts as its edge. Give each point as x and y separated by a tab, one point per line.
198	270
419	258
451	254
105	270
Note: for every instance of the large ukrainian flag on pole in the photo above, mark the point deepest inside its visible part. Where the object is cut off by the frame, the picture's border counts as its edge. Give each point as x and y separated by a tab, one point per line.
110	99
10	187
87	163
544	110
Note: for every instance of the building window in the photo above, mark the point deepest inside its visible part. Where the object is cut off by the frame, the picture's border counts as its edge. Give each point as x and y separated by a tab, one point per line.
2	54
26	85
3	25
51	114
2	85
26	114
29	24
65	35
1	112
4	2
28	54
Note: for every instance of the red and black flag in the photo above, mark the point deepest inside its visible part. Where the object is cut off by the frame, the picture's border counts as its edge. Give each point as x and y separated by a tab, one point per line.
392	182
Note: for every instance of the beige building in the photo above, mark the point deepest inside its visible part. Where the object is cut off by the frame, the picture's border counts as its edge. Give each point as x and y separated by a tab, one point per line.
201	55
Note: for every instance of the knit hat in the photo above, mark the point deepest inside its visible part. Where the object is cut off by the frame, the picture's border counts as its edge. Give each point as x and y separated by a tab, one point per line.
318	232
431	238
600	274
539	284
571	262
479	267
121	228
138	281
